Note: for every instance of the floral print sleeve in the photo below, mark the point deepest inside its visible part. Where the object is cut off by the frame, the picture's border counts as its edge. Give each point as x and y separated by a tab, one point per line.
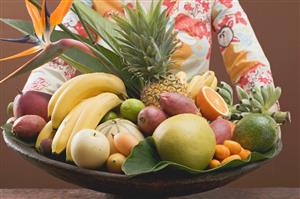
243	57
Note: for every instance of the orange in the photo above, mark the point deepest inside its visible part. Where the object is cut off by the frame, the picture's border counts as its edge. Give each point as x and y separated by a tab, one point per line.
244	154
211	104
231	158
234	147
214	163
221	152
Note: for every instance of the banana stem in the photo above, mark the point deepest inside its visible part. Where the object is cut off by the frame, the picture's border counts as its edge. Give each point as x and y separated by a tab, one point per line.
281	117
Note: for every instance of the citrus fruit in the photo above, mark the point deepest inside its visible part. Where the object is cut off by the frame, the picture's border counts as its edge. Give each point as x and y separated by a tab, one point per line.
130	109
185	139
211	104
109	116
256	132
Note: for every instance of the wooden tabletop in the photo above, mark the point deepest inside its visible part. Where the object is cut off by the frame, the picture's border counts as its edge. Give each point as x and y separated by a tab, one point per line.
224	193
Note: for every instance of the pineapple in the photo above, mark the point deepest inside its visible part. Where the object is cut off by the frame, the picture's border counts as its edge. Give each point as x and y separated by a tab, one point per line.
146	44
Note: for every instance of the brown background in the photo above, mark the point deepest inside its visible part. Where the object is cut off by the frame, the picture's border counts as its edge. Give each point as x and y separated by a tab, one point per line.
277	25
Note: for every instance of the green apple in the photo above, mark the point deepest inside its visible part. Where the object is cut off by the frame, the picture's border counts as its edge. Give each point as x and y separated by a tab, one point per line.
90	149
186	139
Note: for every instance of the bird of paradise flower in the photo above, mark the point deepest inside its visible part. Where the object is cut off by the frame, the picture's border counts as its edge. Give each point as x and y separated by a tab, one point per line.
44	24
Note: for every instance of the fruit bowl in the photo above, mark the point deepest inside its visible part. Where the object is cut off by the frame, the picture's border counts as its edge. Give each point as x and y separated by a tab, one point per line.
150	185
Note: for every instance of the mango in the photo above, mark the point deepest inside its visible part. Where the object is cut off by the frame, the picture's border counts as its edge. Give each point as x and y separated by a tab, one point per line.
28	127
31	103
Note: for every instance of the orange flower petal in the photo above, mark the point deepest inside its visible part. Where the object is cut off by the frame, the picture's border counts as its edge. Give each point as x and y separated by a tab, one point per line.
43	15
23	53
59	13
35	17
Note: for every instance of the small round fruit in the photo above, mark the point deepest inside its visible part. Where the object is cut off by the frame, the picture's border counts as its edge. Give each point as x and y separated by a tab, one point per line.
231	158
244	154
211	104
221	152
256	132
130	109
109	116
114	163
149	119
125	142
45	147
214	163
89	149
10	109
234	147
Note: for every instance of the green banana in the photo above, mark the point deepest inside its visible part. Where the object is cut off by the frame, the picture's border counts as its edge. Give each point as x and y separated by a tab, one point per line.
226	86
242	94
227	96
256	93
255	104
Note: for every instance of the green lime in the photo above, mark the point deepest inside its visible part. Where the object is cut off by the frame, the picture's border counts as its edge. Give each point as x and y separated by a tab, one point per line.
130	109
109	116
256	132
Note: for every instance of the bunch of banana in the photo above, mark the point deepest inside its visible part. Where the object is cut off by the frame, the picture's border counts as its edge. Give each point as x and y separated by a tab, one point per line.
199	81
79	88
258	100
86	115
81	103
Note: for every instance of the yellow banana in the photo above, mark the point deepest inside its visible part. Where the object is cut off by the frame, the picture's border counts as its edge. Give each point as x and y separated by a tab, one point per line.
59	91
90	85
64	131
91	115
46	132
214	84
198	81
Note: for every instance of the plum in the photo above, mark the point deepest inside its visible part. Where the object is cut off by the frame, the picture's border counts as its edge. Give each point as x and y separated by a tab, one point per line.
31	103
45	147
175	104
223	129
149	118
28	127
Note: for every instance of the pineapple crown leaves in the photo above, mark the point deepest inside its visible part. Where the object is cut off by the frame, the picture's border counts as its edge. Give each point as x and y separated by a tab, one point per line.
146	43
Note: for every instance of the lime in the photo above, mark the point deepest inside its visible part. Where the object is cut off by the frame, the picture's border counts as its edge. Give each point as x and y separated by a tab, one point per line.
256	132
130	109
109	116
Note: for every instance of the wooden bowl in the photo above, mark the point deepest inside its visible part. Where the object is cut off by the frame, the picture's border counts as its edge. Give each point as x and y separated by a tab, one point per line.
145	186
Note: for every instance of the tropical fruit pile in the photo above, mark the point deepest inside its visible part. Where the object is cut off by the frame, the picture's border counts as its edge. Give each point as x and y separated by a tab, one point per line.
142	116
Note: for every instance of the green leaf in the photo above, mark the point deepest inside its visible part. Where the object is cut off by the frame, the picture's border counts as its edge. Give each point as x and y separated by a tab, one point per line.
25	27
145	159
103	27
7	130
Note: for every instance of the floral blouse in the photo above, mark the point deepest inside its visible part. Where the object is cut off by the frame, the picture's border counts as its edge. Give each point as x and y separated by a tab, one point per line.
195	21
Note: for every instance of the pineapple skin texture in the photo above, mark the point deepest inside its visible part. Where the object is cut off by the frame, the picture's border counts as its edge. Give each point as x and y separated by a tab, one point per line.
169	84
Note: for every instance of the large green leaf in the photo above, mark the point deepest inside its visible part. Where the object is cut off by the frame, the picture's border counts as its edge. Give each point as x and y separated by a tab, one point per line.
145	159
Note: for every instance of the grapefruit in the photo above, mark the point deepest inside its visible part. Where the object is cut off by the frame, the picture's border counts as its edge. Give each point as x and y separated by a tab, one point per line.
186	139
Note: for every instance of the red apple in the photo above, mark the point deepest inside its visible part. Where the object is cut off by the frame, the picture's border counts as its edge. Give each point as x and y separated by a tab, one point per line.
31	103
223	129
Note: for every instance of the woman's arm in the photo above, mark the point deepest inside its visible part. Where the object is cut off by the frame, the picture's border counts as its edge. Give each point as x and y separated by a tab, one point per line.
243	56
49	77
